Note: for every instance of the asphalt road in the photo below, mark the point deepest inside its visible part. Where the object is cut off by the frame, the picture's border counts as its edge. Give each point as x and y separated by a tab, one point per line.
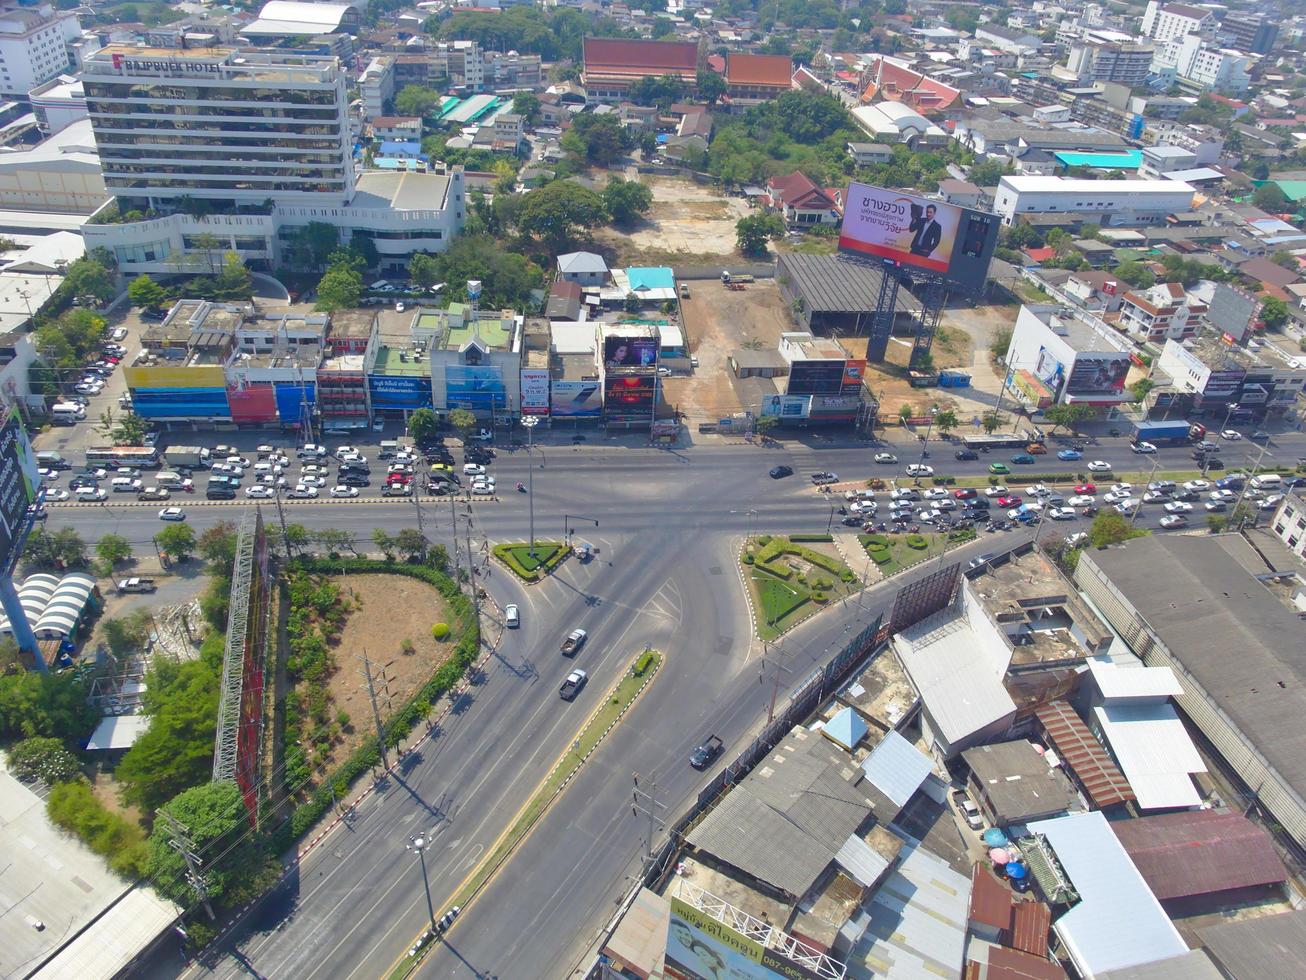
669	526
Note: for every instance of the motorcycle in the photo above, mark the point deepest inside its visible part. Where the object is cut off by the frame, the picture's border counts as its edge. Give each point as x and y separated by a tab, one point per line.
521	487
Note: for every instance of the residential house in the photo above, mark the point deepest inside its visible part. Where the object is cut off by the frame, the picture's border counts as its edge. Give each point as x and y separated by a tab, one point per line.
585	268
866	154
802	202
1161	313
397	128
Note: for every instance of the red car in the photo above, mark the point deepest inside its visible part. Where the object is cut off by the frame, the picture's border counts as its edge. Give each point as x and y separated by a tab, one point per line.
1011	501
1085	489
394	478
965	494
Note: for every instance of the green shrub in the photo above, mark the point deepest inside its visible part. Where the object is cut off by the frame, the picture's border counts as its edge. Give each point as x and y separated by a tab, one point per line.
876	541
74	807
43	758
748	558
944	481
847	575
879	555
783	572
917	542
440	630
548	555
643	663
764	539
819	597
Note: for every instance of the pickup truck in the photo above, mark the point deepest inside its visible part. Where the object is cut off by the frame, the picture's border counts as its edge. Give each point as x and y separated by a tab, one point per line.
702	756
135	585
572	685
574	641
397	490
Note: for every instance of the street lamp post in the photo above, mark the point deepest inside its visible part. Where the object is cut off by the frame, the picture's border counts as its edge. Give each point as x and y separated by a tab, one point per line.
530	421
1233	407
420	842
925	445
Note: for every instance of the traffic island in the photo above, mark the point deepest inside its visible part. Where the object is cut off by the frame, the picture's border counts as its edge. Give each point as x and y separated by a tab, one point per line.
790	579
892	553
528	565
601	721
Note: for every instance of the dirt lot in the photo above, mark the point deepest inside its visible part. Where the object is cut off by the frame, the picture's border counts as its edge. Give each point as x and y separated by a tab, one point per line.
387	609
689	223
718	320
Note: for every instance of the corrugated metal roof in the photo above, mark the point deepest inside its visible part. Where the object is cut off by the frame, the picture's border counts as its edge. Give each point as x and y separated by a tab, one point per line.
1012	964
990	900
1134	682
830	284
859	860
1101	779
1118	921
1192	965
845	729
1030	923
1199	852
1154	751
1264	948
896	768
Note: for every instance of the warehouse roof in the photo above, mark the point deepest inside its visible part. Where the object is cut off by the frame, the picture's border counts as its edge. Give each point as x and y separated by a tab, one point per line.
291	17
1193	965
896	768
831	284
1155	753
759	69
1262	948
1039	184
1079	748
1203	607
1196	852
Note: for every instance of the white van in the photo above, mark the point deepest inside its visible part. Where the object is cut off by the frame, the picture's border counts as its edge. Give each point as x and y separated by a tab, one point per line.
125	484
170	480
66	413
1267	480
311	451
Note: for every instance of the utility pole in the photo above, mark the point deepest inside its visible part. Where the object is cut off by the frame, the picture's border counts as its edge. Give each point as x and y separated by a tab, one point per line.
775	687
376	707
1256	467
281	516
646	803
183	845
471	571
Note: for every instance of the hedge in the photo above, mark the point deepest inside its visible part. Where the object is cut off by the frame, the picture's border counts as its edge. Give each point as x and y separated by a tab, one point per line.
643	663
917	542
879	555
508	554
875	541
815	538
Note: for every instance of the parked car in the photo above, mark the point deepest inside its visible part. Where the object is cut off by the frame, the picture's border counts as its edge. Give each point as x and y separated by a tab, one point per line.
1145	448
965	454
261	491
344	490
919	469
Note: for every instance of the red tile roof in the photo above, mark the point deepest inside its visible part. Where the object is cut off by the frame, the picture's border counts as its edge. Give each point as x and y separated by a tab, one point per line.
632	57
1041	254
1030	924
797	190
899	84
990	901
1088	760
1199	852
759	69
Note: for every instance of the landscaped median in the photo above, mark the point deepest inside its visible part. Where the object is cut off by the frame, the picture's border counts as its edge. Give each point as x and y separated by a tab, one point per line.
531	565
792	578
892	553
614	705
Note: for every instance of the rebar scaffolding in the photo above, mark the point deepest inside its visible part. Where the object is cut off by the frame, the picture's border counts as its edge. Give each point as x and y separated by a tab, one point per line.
233	658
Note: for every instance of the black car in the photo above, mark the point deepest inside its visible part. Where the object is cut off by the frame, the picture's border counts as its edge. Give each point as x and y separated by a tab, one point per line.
702	756
981	502
77	482
354	479
780	472
1213	464
966	454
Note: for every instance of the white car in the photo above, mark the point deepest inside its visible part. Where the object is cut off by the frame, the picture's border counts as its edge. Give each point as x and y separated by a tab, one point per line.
473	469
1062	513
1078	539
935	493
265	450
303	491
343	491
311	451
859	507
92	493
905	493
1081	501
1178	507
1099	466
1216	506
1172	521
1119	487
313	469
1155	497
263	490
272	480
919	469
995	491
1165	486
119	334
1271	502
946	503
400	468
312	480
886	458
1143	447
1128	505
1116	496
354	459
482	488
1233	435
48	475
511	616
267	468
1223	496
1039	490
929	516
172	514
56	496
1197	485
859	495
237	460
343	451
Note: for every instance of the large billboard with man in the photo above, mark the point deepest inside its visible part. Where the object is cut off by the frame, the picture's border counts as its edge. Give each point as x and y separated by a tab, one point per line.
1098	374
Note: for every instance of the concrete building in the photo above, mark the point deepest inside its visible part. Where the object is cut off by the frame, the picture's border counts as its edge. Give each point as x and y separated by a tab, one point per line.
1163	312
1205	602
58	103
1105	202
297	18
756	78
1164	21
376	85
1289	523
801	202
867	154
1207	375
397	129
1165	159
583	268
60	174
1056	357
613	64
460	62
474	359
900	123
1109	61
34	44
1012	782
1246	31
1199	67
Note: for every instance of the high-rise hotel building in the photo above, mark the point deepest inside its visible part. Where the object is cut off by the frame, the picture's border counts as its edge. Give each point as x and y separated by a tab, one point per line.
245	146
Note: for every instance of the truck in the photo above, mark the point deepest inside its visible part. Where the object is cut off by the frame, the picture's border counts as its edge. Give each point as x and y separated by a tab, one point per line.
702	756
1175	433
572	685
736	278
196	457
574	641
127	585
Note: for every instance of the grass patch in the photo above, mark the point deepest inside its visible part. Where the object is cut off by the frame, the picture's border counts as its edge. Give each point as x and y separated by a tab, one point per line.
790	581
894	552
777	599
531	568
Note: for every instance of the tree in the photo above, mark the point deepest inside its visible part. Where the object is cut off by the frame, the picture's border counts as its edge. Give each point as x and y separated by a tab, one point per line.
45	759
340	288
1274	312
905	411
987	173
411	543
311	246
711	86
423	426
127	634
945	422
1141	388
335	540
113	549
146	294
384	542
1270	197
507	276
763	424
753	232
423	270
416	100
233	280
178	540
59	549
526	105
1021	236
127	429
213	817
626	200
363	246
1090	231
991	422
1067	415
88	277
597	139
464	421
297	536
1110	528
632	303
1136	274
217	546
33	704
1286	260
556	211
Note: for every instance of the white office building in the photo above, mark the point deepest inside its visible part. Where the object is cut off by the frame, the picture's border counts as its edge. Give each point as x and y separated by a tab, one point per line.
34	44
1166	21
58	103
376	85
1199	67
260	141
1104	202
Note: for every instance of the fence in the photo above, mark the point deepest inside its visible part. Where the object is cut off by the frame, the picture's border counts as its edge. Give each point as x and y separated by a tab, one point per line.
759	270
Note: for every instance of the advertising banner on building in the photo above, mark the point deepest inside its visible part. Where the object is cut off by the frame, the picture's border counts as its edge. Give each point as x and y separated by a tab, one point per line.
1030	389
575	399
701	948
535	391
1049	370
478	387
1223	384
853	372
897	226
628	396
620	353
400	392
1101	375
787	406
832	406
18	479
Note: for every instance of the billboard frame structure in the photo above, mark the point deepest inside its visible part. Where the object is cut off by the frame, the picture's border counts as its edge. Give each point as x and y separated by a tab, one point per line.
237	743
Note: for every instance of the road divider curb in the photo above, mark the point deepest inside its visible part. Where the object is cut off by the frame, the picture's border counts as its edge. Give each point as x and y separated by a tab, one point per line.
536	806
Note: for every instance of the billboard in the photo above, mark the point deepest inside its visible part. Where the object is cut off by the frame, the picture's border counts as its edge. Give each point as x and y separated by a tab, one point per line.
843	406
1101	375
816	377
853	372
478	387
620	353
1049	370
535	391
575	399
19	480
786	406
629	396
957	243
400	391
699	947
1223	384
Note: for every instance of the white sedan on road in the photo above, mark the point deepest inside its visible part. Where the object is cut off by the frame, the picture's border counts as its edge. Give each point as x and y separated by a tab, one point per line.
935	493
303	491
1081	501
1233	435
1063	513
260	490
919	469
1099	466
995	491
1146	448
172	514
343	491
886	458
1197	485
1178	507
56	496
312	480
